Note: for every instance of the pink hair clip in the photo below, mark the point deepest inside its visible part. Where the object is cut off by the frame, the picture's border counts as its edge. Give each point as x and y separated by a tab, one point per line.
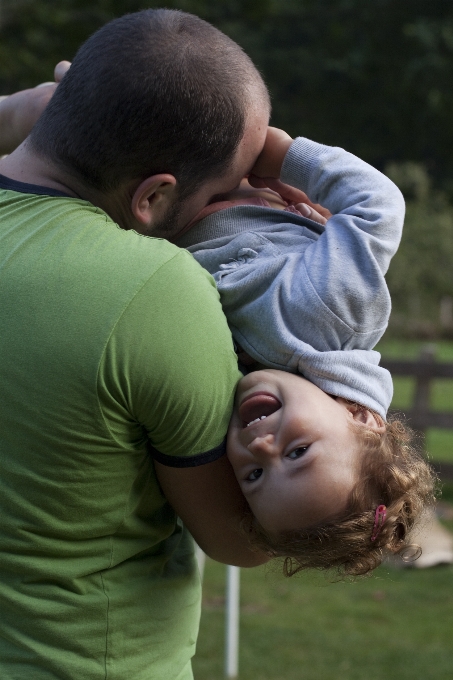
379	519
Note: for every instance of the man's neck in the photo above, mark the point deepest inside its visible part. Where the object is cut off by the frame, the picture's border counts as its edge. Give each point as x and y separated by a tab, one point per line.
24	165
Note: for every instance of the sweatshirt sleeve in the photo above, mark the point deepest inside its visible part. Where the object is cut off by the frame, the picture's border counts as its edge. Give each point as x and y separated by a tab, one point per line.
347	263
308	299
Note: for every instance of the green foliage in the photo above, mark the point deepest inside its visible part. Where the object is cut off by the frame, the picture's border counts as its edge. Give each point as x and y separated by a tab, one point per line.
374	77
420	278
35	35
421	275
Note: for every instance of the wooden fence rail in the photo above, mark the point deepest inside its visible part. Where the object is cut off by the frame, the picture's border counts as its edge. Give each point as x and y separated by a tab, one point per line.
420	416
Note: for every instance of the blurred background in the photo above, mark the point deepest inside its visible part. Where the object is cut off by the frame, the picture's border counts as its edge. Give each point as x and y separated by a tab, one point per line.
375	77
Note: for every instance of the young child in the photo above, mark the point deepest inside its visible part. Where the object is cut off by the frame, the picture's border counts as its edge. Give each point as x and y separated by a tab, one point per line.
329	482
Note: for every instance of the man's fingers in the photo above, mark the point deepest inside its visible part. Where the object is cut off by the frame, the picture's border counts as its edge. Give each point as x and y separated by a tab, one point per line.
60	70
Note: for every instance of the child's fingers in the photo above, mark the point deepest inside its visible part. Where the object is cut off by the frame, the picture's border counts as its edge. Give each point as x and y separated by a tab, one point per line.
288	193
296	197
323	212
311	213
256	182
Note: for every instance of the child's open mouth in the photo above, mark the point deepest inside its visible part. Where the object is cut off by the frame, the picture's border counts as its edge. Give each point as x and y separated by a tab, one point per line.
257	407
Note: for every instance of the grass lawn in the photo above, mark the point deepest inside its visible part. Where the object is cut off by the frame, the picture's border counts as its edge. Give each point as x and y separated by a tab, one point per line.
396	625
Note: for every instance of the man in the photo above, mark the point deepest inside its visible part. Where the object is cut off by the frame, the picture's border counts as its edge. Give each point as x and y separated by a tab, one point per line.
115	351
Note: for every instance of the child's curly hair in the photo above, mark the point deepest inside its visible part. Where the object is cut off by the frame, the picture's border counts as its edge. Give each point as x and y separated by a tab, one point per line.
393	473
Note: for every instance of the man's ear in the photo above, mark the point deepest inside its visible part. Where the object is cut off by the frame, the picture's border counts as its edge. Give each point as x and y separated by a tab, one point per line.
362	416
152	199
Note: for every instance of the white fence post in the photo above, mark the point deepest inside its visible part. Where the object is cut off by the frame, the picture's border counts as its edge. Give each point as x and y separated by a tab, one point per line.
201	560
232	623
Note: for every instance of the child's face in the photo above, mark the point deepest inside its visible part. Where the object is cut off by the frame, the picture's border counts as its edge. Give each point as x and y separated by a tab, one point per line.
245	190
297	465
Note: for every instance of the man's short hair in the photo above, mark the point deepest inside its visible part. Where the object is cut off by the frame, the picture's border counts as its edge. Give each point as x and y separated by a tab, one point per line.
151	92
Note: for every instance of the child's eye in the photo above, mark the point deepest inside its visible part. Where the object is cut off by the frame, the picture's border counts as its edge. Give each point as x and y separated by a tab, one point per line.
253	476
297	453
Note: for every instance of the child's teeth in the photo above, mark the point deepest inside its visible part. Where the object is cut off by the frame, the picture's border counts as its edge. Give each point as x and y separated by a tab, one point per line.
256	420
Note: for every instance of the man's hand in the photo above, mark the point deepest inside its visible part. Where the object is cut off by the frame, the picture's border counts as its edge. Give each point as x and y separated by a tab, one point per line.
20	111
60	69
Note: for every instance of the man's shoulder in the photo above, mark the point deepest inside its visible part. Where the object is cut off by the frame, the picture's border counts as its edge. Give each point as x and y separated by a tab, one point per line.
84	235
77	249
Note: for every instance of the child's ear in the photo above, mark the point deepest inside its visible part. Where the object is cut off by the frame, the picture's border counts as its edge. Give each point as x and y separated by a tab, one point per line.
362	416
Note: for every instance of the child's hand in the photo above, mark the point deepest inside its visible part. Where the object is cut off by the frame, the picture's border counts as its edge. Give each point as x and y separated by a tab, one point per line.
269	162
266	173
295	197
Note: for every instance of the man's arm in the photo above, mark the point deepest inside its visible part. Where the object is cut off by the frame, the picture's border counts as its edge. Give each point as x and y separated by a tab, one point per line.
208	500
20	111
171	365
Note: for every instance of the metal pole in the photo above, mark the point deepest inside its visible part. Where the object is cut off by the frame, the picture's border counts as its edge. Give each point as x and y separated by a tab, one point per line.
201	559
232	623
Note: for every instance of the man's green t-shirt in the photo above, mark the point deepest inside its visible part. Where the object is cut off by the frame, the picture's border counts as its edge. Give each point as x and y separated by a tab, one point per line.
113	345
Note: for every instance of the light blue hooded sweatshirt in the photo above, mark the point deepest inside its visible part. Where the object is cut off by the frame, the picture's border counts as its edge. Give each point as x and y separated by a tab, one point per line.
305	298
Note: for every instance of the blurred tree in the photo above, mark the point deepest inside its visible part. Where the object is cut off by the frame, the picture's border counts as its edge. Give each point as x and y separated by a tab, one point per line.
420	277
374	77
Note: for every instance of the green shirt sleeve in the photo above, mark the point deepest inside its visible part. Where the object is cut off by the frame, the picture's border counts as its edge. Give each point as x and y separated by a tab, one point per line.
169	370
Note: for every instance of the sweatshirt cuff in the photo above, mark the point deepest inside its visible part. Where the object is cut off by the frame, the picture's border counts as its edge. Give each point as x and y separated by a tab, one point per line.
301	157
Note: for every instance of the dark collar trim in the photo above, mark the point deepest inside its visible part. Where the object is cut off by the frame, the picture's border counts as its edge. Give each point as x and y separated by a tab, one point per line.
24	188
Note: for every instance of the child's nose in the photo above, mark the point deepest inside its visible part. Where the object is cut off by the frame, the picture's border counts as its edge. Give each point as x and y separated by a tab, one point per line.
263	446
